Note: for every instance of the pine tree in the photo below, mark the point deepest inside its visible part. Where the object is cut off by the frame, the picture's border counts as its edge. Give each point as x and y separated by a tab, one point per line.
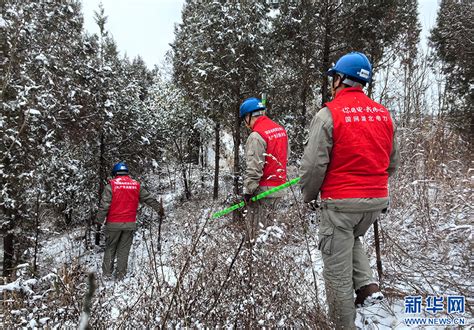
40	99
451	39
175	122
294	52
368	26
132	137
218	60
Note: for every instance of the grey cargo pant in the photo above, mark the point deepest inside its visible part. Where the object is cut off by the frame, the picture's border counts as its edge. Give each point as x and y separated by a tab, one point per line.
117	245
346	265
260	215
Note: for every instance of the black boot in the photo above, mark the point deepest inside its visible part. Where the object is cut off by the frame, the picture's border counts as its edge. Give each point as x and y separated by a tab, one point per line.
368	295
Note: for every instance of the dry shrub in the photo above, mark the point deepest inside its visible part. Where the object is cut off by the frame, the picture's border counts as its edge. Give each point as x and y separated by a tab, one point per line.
220	280
427	232
232	283
51	299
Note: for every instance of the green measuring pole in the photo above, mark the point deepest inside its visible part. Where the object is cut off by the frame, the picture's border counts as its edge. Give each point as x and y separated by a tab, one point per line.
255	198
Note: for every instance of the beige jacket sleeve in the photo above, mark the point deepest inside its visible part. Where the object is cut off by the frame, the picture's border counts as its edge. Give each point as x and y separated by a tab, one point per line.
148	199
395	154
317	154
105	202
255	149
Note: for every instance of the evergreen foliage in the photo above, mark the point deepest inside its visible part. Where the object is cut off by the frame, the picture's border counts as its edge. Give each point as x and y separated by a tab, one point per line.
72	106
452	40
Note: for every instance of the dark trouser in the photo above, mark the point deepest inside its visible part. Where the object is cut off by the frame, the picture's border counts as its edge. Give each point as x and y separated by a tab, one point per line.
346	265
118	244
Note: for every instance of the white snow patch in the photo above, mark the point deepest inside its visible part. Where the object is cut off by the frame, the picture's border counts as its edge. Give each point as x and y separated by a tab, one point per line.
145	140
33	112
41	58
32	324
170	276
270	232
115	313
31	282
274	13
14	286
108	103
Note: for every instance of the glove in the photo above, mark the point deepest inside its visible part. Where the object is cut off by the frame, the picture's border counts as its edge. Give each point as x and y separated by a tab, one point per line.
248	198
312	205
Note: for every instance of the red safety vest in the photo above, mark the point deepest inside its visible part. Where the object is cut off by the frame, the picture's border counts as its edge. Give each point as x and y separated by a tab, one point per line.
362	143
125	199
274	170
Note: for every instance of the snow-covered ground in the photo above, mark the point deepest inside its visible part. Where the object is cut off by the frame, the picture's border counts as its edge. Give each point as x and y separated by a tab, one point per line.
204	276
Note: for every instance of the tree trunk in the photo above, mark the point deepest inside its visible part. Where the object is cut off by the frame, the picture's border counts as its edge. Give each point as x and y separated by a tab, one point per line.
298	150
216	160
303	107
37	229
7	250
236	151
370	89
2	242
326	51
8	253
236	216
67	214
193	152
1	258
201	165
102	178
187	192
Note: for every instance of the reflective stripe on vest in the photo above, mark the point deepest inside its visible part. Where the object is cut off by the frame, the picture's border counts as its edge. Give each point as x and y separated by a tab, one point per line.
125	199
362	143
274	170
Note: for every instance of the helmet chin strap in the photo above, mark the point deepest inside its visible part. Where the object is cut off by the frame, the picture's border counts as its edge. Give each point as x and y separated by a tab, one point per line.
253	114
334	78
249	116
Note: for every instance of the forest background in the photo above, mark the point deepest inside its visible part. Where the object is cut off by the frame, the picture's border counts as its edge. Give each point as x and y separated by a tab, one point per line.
72	106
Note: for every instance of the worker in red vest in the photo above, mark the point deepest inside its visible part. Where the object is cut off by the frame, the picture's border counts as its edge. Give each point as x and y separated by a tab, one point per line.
349	156
118	207
266	154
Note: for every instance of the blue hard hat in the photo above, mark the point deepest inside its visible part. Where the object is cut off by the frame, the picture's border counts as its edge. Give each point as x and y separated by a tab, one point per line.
250	105
120	167
354	65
